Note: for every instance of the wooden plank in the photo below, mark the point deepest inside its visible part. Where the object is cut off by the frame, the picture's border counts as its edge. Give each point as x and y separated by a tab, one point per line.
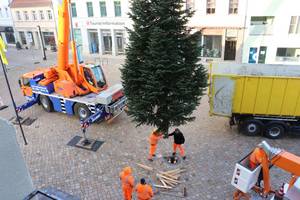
145	167
167	178
169	175
161	186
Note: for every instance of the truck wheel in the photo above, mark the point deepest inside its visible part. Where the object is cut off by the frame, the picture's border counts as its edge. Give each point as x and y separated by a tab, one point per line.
274	131
251	127
82	111
46	103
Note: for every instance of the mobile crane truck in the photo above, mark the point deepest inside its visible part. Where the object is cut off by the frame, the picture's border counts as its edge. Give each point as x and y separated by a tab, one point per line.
259	99
72	88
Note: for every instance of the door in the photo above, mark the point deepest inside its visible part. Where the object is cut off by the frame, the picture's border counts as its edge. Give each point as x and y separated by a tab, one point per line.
262	55
230	50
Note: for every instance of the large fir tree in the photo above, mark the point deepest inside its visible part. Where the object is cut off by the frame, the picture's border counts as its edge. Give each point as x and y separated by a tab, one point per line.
161	76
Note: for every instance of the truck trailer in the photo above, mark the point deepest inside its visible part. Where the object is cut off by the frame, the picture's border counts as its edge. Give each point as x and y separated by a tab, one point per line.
259	99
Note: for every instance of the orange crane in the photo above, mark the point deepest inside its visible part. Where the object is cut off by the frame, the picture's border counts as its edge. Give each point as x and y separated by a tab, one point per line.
72	88
245	178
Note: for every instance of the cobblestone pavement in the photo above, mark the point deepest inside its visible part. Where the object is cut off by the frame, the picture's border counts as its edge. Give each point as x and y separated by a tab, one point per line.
212	147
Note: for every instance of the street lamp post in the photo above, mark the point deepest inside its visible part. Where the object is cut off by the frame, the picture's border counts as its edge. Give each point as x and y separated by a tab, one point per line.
43	45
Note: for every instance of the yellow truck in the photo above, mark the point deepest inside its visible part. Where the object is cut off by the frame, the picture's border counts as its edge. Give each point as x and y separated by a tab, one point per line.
259	99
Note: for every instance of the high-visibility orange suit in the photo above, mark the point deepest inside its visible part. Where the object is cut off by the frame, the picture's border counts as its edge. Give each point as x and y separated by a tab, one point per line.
127	183
256	158
144	192
155	136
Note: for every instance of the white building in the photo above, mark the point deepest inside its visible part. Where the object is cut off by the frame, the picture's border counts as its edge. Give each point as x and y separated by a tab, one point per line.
6	23
273	32
99	25
34	23
221	23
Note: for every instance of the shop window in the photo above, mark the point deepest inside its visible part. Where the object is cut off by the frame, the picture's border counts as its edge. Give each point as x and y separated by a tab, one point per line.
78	41
120	42
107	41
261	25
49	13
33	13
18	15
210	6
295	25
73	10
118	11
22	37
103	12
26	17
42	16
212	46
90	10
10	38
49	38
93	41
288	54
233	6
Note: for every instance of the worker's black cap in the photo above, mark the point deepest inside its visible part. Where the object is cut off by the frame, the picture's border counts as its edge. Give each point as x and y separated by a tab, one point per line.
143	181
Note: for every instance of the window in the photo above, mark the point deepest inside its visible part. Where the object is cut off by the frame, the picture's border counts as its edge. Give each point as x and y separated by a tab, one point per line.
107	41
288	54
295	25
42	17
120	42
22	37
49	13
90	11
26	17
212	46
102	8
33	13
73	10
118	11
49	38
210	6
233	6
18	14
93	41
261	25
6	12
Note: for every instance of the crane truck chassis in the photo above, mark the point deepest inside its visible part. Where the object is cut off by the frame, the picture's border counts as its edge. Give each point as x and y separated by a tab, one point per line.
259	99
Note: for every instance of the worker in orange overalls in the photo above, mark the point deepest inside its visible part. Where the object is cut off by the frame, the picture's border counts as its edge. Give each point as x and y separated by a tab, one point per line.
155	136
178	142
255	159
127	183
143	191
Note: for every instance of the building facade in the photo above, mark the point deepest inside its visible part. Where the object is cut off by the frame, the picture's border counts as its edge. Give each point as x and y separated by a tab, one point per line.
6	23
34	23
221	24
273	32
100	26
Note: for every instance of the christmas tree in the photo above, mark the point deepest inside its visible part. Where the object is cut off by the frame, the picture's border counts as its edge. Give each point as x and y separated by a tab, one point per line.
162	77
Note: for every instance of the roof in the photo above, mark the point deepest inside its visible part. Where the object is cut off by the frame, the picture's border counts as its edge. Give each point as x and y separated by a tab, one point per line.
29	3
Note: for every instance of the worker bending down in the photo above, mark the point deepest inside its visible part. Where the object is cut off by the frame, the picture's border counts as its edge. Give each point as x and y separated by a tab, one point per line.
143	191
153	140
256	158
178	142
127	183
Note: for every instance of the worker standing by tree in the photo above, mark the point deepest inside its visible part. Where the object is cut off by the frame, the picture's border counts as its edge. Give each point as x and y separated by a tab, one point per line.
155	136
144	191
127	183
178	142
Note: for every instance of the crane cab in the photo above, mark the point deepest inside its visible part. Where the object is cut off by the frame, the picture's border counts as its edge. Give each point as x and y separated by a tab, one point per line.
94	76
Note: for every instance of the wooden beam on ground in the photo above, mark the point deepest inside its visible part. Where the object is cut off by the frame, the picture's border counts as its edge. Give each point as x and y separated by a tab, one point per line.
161	186
145	167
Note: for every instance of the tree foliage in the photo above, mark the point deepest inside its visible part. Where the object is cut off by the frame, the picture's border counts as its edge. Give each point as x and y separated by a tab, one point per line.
162	77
